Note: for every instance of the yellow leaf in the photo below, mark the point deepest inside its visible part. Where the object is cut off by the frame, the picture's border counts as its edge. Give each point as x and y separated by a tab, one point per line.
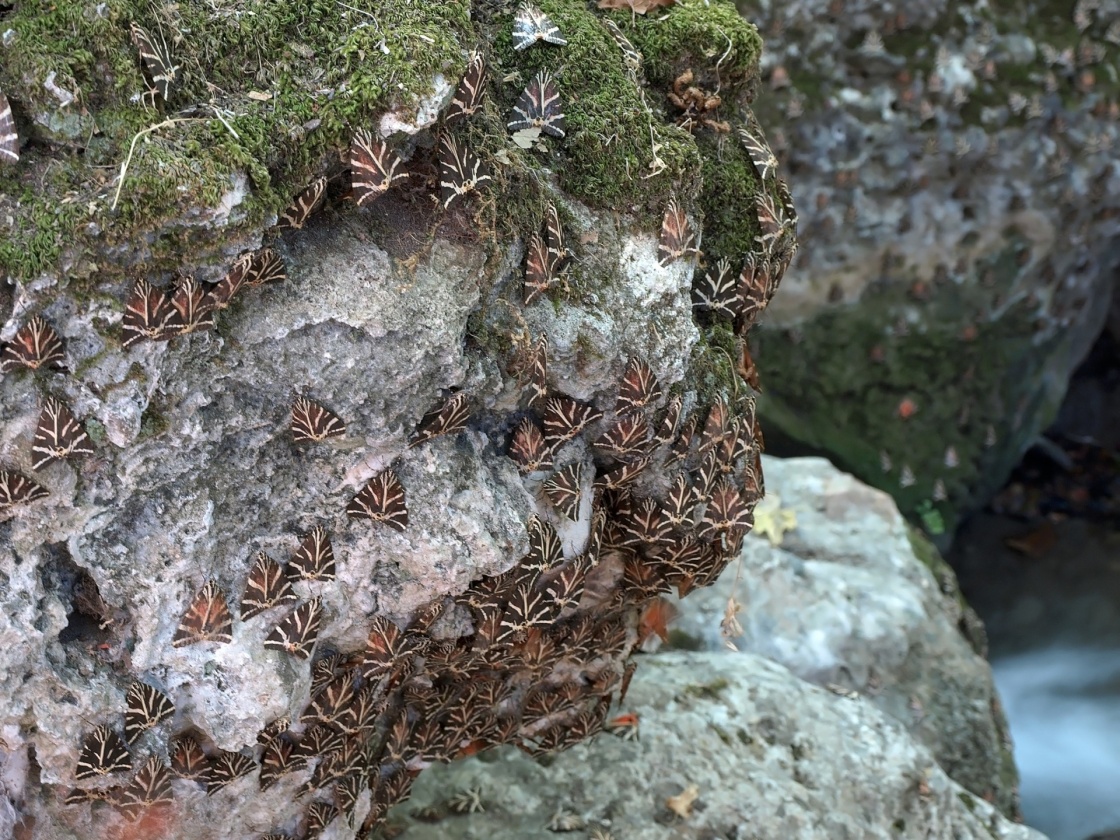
681	804
772	520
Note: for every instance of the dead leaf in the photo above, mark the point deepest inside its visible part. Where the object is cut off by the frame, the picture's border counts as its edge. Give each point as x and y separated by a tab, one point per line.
772	520
681	804
526	137
638	6
730	628
1034	543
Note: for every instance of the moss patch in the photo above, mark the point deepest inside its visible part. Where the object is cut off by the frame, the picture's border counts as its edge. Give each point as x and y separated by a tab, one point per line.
327	69
823	390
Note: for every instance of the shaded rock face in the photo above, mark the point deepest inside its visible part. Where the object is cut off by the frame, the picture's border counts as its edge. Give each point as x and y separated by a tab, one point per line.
492	617
762	748
956	170
853	600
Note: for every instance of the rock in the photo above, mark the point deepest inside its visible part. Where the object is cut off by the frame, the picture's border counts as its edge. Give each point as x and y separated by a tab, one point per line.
959	209
772	757
467	626
853	600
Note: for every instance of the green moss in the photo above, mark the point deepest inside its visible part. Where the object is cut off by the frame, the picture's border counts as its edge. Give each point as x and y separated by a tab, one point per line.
328	68
96	432
711	38
612	137
707	691
821	389
680	640
713	365
728	198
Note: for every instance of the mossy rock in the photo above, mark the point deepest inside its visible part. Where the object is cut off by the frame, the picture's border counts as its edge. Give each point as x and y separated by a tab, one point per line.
268	96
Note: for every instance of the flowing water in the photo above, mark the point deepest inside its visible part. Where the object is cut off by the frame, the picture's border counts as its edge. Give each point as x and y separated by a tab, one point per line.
1053	622
1063	705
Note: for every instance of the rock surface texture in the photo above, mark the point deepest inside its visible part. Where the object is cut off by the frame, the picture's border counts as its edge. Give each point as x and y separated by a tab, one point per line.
222	615
836	587
854	706
956	169
767	755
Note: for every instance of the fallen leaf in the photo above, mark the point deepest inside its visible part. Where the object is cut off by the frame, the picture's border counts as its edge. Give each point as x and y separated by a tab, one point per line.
1034	543
681	804
639	6
526	137
730	628
772	520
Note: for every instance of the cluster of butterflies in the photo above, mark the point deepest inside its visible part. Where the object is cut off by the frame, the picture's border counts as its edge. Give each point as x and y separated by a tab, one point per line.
375	167
740	296
540	669
669	495
58	434
376	717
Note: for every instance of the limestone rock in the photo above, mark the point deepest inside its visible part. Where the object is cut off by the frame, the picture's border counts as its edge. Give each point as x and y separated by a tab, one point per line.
853	601
772	757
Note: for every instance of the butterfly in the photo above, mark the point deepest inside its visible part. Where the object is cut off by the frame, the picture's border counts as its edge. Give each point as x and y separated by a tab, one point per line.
187	758
103	752
545	257
303	205
266	587
460	171
225	768
563	490
539	107
528	447
374	168
35	345
297	633
468	95
531	25
445	419
147	314
9	139
207	619
58	435
565	418
718	290
190	309
631	57
266	267
677	237
761	155
382	500
312	422
220	294
639	386
18	489
145	707
150	788
314	559
156	59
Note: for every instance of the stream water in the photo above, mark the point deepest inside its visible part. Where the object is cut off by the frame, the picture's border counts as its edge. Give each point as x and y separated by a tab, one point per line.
1063	705
1053	623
